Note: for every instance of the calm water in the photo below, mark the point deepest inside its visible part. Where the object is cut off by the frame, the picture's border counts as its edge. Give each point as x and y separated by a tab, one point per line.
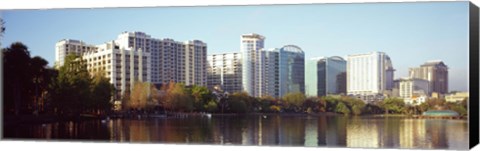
365	132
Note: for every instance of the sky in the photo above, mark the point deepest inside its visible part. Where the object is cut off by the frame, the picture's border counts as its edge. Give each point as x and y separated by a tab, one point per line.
410	33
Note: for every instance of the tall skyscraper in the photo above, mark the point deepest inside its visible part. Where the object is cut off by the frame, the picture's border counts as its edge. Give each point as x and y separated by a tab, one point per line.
326	76
225	70
271	72
436	72
291	70
369	74
250	47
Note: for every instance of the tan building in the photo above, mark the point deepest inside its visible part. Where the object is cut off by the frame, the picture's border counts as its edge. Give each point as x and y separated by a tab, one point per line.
456	97
436	72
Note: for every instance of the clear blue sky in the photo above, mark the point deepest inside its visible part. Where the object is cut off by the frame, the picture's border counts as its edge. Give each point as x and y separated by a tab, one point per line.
410	33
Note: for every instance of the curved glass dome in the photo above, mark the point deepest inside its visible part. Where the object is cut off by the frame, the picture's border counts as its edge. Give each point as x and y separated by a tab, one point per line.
292	48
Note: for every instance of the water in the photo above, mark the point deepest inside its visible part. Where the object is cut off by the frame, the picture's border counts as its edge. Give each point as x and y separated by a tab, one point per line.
272	130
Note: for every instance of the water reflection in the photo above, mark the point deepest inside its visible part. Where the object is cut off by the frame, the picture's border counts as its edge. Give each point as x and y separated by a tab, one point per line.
298	130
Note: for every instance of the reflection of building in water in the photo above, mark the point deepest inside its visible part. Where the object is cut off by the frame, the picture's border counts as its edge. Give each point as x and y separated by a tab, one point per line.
322	131
336	131
436	133
457	134
412	133
139	132
362	133
311	135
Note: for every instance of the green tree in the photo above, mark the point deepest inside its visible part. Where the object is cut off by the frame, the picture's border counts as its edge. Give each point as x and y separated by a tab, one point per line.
201	96
294	101
71	89
342	108
393	105
102	93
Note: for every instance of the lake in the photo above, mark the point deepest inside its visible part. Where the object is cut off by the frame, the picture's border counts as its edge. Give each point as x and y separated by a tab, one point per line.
269	130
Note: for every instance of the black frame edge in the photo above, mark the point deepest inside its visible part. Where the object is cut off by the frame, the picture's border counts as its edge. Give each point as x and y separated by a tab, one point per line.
473	104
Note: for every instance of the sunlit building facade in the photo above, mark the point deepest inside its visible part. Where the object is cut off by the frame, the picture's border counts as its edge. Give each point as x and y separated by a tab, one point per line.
413	91
250	48
436	72
65	47
369	75
225	70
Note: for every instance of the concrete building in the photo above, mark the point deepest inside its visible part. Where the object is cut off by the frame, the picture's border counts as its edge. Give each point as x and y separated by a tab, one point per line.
414	91
456	97
65	47
225	70
136	56
122	66
325	75
436	72
369	75
250	47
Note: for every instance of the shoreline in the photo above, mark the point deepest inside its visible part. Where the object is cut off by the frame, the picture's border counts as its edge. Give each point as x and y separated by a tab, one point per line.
42	119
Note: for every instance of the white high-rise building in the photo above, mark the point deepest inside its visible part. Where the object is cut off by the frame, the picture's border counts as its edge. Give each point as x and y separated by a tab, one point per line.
69	46
122	66
369	75
136	56
414	91
225	70
251	45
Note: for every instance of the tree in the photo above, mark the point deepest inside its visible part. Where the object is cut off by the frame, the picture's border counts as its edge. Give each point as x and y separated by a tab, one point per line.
342	108
201	96
102	93
394	105
140	95
18	81
71	90
294	101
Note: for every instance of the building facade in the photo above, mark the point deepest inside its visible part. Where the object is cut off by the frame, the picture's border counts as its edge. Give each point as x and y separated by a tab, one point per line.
456	97
136	56
413	91
369	75
326	75
250	48
291	65
65	47
225	70
436	72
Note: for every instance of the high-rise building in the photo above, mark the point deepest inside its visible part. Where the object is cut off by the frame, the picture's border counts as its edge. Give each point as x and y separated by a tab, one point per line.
65	47
326	76
138	56
436	72
225	70
122	66
413	91
291	68
369	75
250	47
271	72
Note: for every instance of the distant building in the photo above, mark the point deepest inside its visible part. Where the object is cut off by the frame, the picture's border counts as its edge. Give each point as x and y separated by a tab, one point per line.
271	72
436	72
325	76
122	66
369	75
291	70
414	91
69	46
250	47
225	70
456	97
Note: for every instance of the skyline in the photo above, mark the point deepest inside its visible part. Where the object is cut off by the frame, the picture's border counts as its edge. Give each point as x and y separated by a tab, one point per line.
398	29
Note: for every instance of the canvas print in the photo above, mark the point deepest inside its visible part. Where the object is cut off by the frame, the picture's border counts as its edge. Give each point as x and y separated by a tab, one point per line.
360	75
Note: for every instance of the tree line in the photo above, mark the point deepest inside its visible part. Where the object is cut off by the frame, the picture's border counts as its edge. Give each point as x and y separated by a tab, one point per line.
30	87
